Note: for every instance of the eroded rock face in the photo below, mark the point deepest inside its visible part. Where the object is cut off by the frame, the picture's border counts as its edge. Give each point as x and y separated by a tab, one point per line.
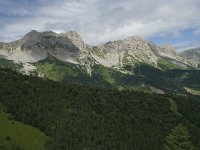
130	44
130	50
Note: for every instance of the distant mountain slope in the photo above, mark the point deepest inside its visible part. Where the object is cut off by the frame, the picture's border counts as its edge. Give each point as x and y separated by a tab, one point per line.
142	77
192	56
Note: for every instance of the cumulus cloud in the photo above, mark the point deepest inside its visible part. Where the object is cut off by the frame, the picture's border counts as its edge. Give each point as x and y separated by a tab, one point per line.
100	20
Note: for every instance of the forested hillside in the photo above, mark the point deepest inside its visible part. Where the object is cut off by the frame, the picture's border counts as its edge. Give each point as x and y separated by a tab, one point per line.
142	77
83	117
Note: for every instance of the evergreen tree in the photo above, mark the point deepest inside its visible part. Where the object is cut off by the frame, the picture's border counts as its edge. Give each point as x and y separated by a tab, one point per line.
179	139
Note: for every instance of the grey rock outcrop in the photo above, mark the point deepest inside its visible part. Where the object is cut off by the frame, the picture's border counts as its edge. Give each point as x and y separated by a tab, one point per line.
130	50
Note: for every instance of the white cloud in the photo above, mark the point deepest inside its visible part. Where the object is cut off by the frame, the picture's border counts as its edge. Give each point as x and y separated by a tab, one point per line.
101	20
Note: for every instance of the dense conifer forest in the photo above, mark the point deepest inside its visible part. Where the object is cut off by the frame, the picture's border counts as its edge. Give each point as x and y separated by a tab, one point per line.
79	117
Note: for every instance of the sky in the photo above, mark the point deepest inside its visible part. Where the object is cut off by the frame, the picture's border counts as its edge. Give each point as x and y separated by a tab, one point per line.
175	22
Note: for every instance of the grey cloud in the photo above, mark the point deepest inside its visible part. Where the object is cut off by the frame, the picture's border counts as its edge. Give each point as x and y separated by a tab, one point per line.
60	26
102	20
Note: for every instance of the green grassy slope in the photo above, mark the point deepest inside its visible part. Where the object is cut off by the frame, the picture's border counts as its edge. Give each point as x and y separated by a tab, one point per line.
19	136
57	70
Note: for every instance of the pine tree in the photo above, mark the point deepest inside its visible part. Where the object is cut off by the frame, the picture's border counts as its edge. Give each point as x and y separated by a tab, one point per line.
179	139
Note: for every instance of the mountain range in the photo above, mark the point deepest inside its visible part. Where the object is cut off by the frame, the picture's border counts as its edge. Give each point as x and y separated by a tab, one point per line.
132	63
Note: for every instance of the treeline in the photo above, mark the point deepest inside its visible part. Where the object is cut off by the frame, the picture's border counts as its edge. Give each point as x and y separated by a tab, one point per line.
81	117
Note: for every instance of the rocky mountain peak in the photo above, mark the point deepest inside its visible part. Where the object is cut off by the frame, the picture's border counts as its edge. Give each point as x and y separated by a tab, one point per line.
48	33
32	37
129	44
168	47
135	38
137	43
32	33
76	39
72	34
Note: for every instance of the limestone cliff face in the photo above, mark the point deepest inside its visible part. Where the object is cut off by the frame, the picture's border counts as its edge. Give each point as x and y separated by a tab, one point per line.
69	47
135	50
36	46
